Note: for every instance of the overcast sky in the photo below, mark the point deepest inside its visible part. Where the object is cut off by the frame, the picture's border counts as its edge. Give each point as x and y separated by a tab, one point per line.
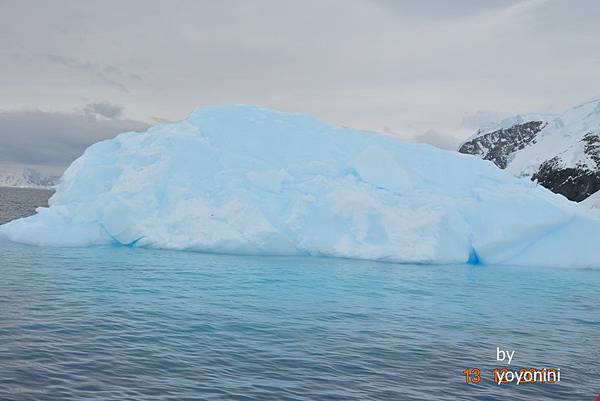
74	72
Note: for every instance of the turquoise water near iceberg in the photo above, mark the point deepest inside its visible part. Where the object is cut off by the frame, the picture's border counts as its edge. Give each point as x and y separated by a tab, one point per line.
114	323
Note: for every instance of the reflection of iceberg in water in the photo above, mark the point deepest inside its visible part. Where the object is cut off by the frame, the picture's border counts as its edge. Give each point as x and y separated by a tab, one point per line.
248	180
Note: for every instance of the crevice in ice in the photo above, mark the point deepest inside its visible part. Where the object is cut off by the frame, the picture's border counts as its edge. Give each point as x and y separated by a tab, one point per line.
473	257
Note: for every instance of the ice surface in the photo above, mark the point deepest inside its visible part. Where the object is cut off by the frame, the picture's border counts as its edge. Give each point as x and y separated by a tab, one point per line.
592	202
248	180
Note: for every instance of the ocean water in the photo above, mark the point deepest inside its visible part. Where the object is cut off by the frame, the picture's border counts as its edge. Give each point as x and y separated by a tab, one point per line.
117	323
20	202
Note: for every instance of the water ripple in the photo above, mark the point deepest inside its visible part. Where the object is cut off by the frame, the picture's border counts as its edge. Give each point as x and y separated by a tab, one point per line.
127	324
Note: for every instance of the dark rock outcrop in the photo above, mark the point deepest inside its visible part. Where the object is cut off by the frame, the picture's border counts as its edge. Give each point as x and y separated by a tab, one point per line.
576	183
498	145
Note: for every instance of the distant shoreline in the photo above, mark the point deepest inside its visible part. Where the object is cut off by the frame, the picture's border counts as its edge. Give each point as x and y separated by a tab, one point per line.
34	188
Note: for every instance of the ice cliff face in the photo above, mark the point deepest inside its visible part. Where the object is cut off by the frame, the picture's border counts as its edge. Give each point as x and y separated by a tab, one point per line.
247	180
561	152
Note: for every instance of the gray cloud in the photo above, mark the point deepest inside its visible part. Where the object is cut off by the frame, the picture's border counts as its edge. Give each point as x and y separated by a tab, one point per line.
442	141
54	140
481	119
104	109
408	65
443	9
161	120
104	74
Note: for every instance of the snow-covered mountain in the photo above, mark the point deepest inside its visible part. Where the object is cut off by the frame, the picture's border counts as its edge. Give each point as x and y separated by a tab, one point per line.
24	177
560	151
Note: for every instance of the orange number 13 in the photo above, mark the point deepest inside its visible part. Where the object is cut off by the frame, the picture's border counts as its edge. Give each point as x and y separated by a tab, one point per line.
472	376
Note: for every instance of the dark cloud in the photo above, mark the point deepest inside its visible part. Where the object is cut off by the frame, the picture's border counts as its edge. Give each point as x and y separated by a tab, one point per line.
54	140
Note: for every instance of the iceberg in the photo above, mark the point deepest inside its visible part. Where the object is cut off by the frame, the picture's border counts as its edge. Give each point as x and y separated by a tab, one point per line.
249	180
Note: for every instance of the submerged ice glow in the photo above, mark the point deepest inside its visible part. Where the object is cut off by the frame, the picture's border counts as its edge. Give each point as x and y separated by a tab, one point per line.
248	180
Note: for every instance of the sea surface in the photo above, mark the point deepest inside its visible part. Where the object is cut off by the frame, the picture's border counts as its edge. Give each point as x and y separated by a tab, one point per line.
117	323
21	202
